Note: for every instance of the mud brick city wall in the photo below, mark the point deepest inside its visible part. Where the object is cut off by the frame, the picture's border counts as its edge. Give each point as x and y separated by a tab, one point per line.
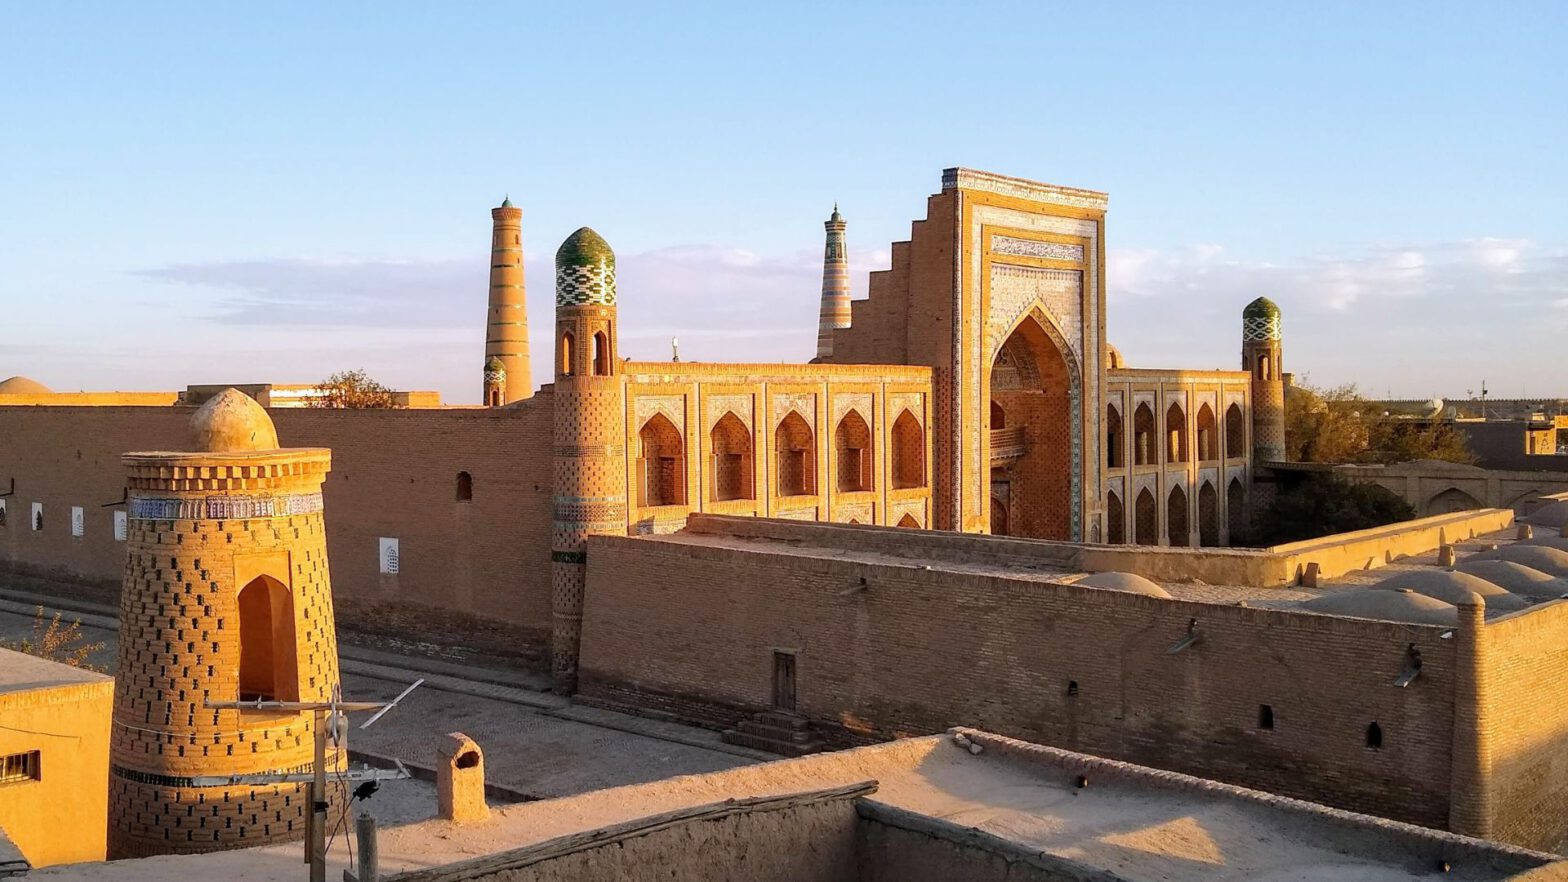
691	628
394	474
1524	712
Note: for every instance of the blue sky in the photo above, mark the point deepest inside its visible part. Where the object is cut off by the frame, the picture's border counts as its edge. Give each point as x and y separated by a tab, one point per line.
269	193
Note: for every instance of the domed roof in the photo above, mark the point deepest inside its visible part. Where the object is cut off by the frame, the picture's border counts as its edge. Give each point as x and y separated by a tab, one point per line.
1113	356
231	422
1452	587
1558	542
493	363
1389	606
1129	582
1516	578
1553	515
836	218
584	271
1547	560
23	386
584	248
1261	308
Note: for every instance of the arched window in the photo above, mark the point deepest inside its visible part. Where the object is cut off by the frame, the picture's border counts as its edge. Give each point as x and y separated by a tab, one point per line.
1176	432
909	452
267	656
1208	448
1113	437
1176	524
1265	716
732	460
998	417
1264	364
601	354
908	520
1235	433
1374	736
797	457
1143	437
852	449
567	345
661	469
1115	520
1208	515
1235	507
1146	519
465	487
493	397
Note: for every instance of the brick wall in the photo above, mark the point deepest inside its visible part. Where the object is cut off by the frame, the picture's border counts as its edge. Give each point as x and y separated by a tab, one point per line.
691	627
1525	715
394	474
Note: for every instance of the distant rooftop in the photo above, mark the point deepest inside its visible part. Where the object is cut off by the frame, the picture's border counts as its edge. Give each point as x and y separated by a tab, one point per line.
20	672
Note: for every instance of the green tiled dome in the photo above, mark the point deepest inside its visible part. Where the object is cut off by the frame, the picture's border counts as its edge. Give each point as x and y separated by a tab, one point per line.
584	270
1261	308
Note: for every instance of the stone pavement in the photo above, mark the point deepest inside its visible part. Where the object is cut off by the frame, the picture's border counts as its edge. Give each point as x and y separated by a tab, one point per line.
536	744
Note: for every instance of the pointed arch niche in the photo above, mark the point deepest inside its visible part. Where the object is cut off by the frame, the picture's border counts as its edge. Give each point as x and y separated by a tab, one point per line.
732	460
269	670
1034	379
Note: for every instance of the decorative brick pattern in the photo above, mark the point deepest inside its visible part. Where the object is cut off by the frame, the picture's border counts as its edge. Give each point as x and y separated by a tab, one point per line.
181	623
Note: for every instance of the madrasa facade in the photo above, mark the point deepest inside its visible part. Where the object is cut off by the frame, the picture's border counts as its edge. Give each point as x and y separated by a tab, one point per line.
973	390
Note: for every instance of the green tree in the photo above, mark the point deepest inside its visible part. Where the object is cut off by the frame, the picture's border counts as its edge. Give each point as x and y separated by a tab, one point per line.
351	389
1322	504
55	641
1339	425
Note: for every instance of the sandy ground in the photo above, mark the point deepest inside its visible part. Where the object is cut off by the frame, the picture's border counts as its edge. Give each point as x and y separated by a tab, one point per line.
1142	834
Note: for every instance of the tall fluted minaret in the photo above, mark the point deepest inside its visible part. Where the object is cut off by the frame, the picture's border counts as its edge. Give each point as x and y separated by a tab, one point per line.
506	325
835	286
1260	356
589	433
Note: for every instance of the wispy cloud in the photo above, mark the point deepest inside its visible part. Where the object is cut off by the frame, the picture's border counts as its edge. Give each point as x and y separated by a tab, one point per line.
1383	313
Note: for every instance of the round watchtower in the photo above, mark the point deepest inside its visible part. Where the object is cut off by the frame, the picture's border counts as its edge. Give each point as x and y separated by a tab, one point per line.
589	435
1260	356
226	598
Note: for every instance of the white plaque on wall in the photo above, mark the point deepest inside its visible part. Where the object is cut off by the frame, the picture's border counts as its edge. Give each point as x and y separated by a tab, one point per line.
38	516
119	526
78	521
389	556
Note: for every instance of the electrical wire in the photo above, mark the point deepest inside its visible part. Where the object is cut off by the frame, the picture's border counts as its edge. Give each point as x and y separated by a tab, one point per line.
35	732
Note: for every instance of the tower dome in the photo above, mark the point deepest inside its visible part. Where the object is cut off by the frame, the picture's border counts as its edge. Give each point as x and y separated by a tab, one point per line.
584	270
232	422
23	386
1261	308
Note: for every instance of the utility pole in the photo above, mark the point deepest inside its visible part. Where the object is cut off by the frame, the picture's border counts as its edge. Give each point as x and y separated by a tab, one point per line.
330	722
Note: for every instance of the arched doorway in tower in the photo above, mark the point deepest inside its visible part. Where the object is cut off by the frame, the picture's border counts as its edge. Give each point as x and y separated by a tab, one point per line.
1208	515
1176	523
268	667
1031	383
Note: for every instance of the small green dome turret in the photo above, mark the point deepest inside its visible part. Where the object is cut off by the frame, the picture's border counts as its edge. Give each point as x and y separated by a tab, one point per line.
1260	321
494	369
585	270
1263	308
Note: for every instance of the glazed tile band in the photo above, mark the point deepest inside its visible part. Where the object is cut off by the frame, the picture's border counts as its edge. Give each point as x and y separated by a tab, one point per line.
196	508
